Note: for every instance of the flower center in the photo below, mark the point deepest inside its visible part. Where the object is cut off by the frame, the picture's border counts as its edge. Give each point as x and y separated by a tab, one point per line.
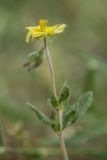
43	24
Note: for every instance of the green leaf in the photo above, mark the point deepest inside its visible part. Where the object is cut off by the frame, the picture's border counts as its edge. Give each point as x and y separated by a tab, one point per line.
48	121
55	124
78	109
40	115
34	59
53	119
64	93
70	118
52	116
83	103
53	100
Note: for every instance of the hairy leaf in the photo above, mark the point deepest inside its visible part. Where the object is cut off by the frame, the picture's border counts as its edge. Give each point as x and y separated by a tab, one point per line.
78	109
41	116
70	118
53	119
64	93
53	100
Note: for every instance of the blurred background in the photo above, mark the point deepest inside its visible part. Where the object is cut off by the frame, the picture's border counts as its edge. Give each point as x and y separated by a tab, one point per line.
79	55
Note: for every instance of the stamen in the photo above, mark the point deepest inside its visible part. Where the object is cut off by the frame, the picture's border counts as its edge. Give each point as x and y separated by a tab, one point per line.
43	24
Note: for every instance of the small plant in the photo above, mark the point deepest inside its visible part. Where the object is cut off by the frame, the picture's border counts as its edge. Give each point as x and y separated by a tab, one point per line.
62	114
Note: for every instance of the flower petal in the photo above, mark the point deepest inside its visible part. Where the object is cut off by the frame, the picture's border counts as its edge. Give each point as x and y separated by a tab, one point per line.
60	28
33	28
38	34
43	31
29	34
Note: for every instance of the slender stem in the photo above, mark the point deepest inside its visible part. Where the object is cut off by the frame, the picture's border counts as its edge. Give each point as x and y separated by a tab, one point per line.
63	147
58	110
50	68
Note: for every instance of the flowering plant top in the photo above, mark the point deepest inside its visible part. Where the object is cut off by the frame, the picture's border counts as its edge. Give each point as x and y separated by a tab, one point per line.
42	30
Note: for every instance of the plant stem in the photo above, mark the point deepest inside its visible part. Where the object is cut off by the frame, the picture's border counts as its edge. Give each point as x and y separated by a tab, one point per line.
63	147
50	68
58	110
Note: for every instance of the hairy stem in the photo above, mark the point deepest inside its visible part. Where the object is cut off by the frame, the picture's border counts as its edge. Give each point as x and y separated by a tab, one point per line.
50	68
63	147
58	110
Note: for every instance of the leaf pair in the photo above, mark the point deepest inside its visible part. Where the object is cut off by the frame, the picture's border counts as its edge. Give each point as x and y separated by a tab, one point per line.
70	115
64	94
76	110
34	59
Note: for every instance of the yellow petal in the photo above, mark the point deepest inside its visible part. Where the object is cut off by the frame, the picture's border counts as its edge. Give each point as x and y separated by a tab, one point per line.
43	30
30	28
38	34
33	28
28	36
60	28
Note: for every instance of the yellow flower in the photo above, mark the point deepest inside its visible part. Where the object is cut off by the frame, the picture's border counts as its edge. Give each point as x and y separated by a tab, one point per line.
42	30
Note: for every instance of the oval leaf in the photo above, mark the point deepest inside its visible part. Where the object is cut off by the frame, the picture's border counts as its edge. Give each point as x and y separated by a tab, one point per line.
78	109
64	93
53	100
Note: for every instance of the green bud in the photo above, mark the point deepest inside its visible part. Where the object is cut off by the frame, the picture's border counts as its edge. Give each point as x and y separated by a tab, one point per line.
34	59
